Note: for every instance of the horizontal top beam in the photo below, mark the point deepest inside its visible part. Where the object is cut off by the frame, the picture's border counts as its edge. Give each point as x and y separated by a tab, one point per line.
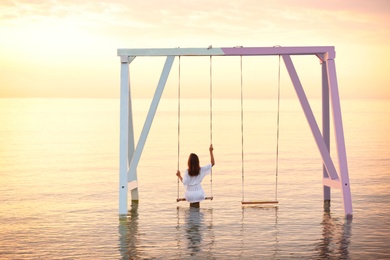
231	51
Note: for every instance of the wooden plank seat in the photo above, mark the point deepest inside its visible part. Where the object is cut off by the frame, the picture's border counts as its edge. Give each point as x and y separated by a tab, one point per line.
183	199
259	202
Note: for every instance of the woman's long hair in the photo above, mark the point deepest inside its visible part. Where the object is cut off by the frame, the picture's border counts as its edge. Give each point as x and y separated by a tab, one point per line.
193	165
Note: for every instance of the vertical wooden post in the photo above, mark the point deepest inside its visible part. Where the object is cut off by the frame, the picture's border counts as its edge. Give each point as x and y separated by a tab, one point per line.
124	131
339	134
325	128
131	147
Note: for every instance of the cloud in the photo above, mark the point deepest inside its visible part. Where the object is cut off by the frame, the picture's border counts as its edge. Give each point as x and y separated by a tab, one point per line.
215	19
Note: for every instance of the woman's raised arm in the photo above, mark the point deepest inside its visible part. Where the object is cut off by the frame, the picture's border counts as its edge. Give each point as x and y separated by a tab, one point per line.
212	160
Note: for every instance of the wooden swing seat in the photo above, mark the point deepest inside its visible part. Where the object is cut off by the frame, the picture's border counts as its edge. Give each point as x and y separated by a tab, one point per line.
183	199
259	202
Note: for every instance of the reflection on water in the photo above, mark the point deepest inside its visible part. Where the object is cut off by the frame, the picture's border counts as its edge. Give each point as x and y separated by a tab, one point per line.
254	219
260	236
196	232
60	202
128	230
193	227
335	237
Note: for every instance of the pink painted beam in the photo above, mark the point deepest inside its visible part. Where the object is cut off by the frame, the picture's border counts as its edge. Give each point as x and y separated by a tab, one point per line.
247	51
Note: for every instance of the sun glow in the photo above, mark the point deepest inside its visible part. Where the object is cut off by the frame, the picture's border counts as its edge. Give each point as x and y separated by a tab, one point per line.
68	49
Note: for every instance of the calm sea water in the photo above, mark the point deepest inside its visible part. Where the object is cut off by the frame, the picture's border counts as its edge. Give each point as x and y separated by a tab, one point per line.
59	164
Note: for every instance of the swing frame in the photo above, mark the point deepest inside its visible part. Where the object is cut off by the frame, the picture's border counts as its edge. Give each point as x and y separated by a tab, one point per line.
332	178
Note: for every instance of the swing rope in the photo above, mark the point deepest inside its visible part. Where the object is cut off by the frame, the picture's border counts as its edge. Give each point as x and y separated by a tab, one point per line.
242	133
277	137
211	121
178	132
277	143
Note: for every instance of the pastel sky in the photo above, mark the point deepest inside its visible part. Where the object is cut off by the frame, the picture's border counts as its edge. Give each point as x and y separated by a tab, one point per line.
67	48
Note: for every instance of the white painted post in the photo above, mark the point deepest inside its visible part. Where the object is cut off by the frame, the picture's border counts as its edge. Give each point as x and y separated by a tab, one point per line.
325	127
339	132
124	134
133	183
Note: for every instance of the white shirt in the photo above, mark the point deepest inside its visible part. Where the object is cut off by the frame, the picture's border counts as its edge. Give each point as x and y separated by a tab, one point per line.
194	191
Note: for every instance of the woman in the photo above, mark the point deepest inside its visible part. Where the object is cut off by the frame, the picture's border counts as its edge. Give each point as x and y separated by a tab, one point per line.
193	177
